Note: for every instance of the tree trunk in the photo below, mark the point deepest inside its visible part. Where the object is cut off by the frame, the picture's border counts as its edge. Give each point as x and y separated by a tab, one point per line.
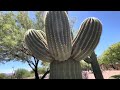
45	74
36	73
69	69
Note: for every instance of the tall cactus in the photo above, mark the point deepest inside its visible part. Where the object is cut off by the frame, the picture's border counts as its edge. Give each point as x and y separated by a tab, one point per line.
58	47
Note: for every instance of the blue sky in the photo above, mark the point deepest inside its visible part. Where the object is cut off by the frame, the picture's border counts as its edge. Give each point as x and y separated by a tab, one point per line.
110	35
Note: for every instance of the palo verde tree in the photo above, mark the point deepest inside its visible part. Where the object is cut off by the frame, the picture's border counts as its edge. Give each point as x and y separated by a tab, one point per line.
111	55
57	46
12	28
9	36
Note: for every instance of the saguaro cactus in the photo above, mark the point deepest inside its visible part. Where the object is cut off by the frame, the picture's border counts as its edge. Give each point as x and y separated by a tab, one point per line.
57	47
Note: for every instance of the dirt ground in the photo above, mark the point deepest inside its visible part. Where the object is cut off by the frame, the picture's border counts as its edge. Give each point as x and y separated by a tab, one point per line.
90	75
106	74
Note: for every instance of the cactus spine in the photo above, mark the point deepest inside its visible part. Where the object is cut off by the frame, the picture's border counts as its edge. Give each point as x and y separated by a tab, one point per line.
58	46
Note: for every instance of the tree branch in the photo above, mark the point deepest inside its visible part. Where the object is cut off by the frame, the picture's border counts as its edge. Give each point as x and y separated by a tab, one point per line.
30	65
45	74
37	62
35	59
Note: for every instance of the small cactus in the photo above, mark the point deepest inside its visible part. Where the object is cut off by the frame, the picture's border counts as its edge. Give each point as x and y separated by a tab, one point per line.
58	46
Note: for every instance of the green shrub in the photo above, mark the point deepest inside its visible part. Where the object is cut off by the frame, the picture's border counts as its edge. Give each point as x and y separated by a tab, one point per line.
22	73
115	77
2	76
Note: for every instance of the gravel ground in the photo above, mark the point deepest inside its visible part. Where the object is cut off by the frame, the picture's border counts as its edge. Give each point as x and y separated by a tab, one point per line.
106	74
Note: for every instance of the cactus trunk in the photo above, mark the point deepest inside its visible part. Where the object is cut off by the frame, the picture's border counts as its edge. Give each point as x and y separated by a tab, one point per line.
69	69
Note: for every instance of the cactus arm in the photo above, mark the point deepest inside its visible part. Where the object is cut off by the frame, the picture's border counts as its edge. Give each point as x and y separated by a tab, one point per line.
87	38
58	35
37	45
43	33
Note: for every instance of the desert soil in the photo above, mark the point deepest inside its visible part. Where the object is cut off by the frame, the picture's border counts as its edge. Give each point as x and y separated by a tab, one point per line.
106	74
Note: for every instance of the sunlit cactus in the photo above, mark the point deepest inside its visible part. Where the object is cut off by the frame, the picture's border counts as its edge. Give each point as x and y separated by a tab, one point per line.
37	44
58	35
58	46
87	38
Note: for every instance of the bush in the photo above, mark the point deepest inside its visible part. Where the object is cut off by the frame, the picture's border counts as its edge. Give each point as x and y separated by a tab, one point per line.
2	76
5	76
115	77
41	70
22	73
85	66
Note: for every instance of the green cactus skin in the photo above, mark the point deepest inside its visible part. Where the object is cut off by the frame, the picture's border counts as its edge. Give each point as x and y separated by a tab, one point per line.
95	66
43	33
37	45
58	35
69	69
87	38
